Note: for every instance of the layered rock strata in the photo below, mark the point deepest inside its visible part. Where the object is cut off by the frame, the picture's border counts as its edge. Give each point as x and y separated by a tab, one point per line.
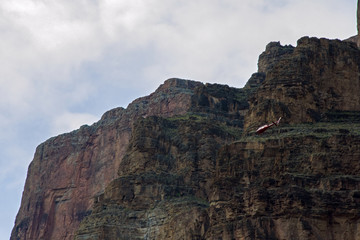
164	182
184	162
299	183
305	82
69	170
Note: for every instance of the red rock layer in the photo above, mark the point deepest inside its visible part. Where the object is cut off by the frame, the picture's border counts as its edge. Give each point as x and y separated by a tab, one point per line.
69	170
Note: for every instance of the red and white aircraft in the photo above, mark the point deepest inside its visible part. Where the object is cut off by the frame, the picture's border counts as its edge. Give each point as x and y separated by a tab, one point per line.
265	127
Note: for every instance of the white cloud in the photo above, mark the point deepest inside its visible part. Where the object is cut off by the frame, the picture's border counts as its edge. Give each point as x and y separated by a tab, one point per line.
122	15
47	44
66	122
14	166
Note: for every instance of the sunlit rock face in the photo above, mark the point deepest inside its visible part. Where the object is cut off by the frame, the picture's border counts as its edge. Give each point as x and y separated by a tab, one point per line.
185	162
69	170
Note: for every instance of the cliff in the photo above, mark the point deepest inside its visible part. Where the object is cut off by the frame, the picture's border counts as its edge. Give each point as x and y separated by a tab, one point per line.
185	163
68	170
304	83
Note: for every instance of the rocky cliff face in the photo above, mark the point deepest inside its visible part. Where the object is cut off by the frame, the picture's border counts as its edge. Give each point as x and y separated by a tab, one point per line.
70	169
306	82
184	162
301	183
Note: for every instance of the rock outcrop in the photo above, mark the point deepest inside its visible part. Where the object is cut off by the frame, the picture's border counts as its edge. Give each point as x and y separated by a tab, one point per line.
301	183
185	163
69	170
306	82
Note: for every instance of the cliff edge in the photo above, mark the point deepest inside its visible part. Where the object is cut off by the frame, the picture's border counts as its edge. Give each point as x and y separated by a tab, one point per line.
185	163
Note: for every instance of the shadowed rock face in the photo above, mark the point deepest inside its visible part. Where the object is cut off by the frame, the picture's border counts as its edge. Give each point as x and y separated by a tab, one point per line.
164	182
305	82
184	162
294	185
69	170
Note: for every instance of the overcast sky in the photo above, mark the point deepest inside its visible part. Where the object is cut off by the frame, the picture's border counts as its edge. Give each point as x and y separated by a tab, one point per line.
64	63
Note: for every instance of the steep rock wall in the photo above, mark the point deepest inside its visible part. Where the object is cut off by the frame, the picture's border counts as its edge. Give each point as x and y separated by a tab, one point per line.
163	183
304	83
164	179
69	170
186	178
301	182
178	164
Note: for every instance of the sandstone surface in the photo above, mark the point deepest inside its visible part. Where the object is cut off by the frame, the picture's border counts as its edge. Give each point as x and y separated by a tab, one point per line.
69	170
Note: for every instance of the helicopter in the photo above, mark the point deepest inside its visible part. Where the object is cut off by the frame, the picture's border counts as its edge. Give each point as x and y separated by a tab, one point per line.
265	127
